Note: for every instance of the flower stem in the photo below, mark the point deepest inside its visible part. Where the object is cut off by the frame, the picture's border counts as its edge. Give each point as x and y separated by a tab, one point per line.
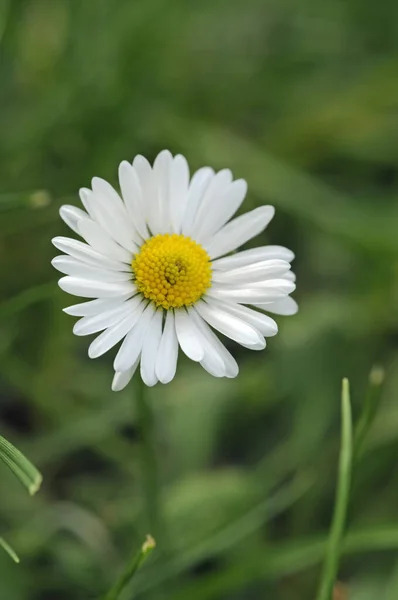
131	568
369	410
333	552
149	467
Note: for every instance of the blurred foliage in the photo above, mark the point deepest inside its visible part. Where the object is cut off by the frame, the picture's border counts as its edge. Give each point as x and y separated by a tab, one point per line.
301	99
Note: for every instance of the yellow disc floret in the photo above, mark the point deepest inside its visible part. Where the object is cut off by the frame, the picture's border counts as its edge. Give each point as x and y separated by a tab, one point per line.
172	270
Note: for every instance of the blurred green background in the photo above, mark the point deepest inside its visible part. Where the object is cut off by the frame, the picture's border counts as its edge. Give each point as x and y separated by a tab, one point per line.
300	99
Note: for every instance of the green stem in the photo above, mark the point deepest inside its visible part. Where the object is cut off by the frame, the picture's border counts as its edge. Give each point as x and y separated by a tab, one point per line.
369	410
149	467
131	568
150	489
333	552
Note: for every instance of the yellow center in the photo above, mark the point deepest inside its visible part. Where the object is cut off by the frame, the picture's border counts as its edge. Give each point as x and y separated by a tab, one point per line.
172	270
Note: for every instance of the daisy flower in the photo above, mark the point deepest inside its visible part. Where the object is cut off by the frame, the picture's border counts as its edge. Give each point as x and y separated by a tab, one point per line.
160	267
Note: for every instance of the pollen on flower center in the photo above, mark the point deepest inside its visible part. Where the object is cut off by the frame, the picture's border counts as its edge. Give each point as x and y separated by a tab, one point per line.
172	270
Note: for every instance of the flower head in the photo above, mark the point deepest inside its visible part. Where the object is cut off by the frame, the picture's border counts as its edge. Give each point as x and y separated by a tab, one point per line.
156	263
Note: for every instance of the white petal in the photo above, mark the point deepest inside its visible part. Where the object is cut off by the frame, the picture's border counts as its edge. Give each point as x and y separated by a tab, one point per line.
263	323
217	188
166	360
121	379
286	307
114	219
256	272
179	182
213	361
239	231
222	210
290	276
266	291
85	195
99	239
248	257
94	289
188	336
231	326
107	318
94	307
71	215
131	347
116	222
199	183
160	219
133	198
87	254
150	349
147	183
104	189
76	268
111	336
231	366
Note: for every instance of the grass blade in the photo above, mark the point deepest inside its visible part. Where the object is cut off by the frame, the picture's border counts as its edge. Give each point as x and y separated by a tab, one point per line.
9	550
22	468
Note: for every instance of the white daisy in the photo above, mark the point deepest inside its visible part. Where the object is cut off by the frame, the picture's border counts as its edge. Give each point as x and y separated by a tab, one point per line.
157	262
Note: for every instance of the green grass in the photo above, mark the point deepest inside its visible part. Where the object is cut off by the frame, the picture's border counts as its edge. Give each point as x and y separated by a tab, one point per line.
300	99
